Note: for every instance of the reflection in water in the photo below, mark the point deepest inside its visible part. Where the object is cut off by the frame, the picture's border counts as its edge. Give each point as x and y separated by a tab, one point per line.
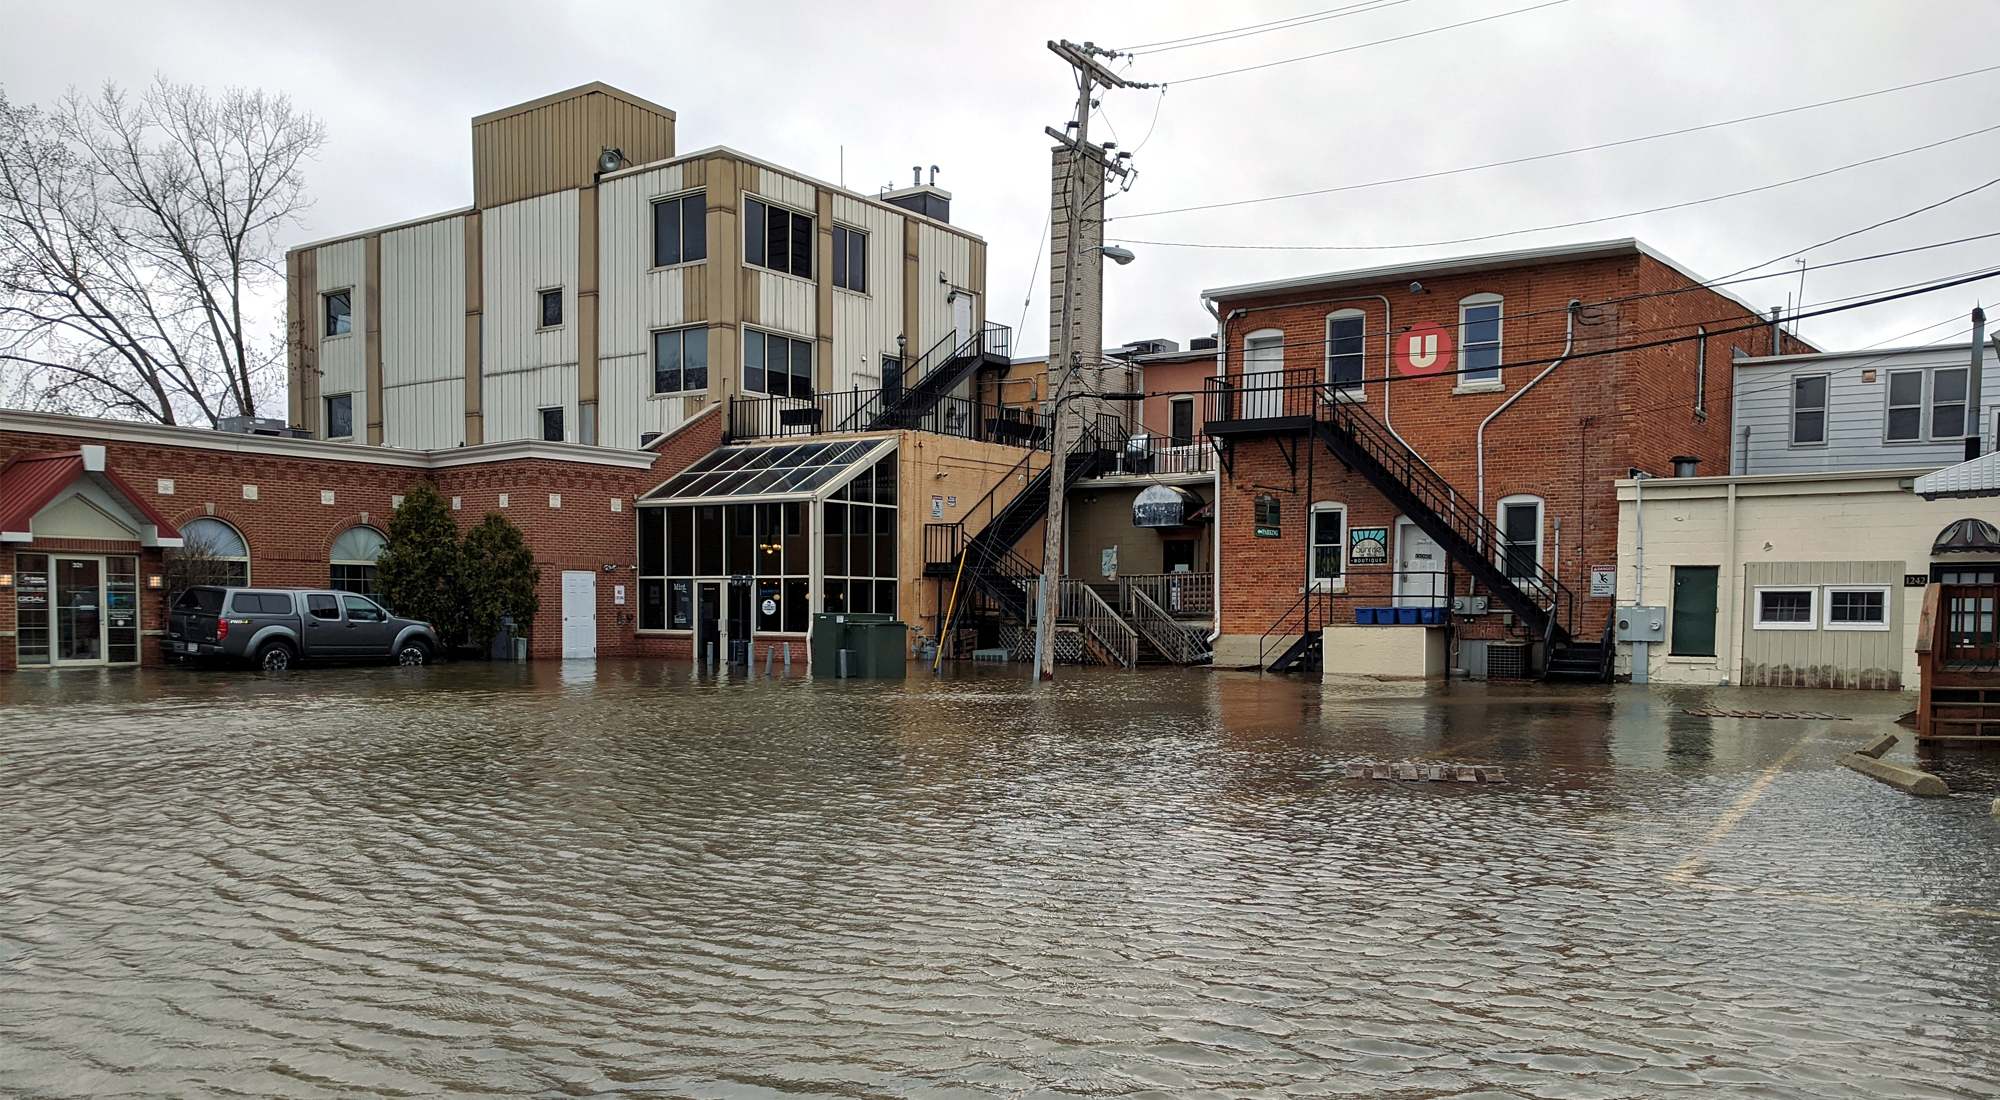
624	877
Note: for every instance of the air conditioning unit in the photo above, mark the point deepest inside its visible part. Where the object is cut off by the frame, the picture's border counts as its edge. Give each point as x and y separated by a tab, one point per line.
1471	605
1506	661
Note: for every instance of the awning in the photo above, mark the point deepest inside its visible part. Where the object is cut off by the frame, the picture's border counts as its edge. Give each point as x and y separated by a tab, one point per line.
31	483
1164	506
1977	477
773	470
1967	536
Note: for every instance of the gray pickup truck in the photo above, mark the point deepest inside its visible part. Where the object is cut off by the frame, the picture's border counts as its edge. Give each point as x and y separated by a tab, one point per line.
277	628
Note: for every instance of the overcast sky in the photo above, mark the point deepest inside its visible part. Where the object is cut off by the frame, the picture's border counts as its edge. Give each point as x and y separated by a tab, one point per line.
968	87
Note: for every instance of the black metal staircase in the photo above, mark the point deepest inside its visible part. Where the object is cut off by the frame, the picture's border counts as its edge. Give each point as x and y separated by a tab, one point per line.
949	362
1521	584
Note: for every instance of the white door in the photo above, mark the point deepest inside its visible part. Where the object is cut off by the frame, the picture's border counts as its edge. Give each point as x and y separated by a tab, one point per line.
1420	574
579	615
961	316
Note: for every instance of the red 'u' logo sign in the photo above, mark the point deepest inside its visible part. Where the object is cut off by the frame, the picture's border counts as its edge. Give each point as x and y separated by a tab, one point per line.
1423	349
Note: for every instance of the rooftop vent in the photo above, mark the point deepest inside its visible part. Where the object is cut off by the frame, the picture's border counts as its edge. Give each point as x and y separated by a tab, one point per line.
927	199
1202	343
260	425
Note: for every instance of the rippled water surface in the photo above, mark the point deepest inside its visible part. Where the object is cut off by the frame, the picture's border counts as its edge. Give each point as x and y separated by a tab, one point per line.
621	880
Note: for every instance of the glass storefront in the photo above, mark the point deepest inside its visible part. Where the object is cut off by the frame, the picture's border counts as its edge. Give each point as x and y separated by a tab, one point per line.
76	610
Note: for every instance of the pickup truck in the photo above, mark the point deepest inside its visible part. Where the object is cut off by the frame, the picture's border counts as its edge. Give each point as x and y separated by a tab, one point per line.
277	628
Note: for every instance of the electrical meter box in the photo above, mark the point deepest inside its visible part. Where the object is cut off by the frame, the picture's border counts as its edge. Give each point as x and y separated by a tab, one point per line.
1641	624
1471	605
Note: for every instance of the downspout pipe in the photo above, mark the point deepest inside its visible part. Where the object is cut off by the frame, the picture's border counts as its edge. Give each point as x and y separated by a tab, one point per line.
1215	521
1479	447
1975	428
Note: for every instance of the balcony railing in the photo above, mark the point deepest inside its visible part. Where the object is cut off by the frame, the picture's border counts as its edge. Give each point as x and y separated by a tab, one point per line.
1182	595
1156	455
855	410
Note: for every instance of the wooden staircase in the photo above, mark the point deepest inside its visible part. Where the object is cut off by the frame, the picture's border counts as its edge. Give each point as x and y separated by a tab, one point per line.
1958	659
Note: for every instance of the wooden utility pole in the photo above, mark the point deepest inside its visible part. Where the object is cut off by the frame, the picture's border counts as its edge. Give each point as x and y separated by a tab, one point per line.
1064	359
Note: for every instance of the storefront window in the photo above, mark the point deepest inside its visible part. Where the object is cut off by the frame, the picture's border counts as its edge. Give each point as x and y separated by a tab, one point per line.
31	608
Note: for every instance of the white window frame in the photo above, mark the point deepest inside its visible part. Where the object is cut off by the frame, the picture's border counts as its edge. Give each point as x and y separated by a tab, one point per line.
1337	582
1826	610
1922	406
1792	411
1541	527
658	201
1757	621
1351	391
1267	397
1466	383
1931	404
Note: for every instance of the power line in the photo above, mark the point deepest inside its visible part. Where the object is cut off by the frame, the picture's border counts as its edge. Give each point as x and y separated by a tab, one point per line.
1213	37
1365	45
1866	228
1561	153
1561	225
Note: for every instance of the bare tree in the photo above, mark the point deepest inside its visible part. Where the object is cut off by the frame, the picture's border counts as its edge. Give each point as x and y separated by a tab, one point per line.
140	271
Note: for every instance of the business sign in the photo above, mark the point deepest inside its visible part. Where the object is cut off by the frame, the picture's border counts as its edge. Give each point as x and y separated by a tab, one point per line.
1423	349
1603	580
1267	517
1368	546
618	594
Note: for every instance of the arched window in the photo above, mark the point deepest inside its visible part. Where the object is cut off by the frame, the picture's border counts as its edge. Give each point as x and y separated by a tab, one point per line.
1521	537
1479	338
353	559
1346	353
211	538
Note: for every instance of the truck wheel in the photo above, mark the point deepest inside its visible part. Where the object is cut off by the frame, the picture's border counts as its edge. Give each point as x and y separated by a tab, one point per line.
413	653
275	657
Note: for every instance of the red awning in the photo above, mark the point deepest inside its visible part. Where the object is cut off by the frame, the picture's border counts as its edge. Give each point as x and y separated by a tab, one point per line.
30	483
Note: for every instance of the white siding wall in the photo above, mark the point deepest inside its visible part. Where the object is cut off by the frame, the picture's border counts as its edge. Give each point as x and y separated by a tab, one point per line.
423	335
1857	415
786	304
343	360
634	299
786	190
865	326
938	250
529	246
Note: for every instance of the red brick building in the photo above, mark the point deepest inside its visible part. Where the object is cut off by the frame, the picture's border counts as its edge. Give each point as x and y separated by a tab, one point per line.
1403	435
108	516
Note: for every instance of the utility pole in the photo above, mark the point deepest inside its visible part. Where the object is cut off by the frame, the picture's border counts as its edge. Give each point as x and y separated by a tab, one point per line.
1063	360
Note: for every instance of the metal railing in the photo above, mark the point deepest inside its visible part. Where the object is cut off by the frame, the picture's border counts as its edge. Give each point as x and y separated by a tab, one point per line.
1184	595
1302	394
1079	603
1181	643
856	410
1153	455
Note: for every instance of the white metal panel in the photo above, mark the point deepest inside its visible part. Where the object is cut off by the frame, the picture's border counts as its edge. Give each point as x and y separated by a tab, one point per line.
530	246
940	251
865	326
786	190
512	402
629	409
343	360
423	307
425	416
786	304
633	297
579	615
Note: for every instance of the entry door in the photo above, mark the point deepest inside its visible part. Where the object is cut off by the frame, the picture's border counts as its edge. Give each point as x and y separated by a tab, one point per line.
368	631
579	615
79	611
739	622
1420	568
708	620
961	316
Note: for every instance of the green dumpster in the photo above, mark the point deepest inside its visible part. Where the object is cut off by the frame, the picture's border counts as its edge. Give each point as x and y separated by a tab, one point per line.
835	631
884	649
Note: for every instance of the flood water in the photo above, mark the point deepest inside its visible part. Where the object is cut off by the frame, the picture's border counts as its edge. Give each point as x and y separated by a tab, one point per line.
626	880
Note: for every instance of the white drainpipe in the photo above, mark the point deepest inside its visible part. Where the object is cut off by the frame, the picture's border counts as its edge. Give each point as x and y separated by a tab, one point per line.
1569	340
1215	491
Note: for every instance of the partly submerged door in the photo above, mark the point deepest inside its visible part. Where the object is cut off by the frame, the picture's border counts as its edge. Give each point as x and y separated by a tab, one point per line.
1420	572
579	615
708	621
79	611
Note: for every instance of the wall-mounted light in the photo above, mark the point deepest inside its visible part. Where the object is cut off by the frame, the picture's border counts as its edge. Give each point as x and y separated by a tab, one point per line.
6	580
156	582
610	568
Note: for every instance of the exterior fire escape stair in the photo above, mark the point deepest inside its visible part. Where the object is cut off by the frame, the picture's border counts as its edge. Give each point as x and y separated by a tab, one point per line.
948	363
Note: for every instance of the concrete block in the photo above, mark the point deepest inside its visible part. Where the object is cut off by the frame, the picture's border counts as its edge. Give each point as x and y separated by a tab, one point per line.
1909	780
1403	652
1873	750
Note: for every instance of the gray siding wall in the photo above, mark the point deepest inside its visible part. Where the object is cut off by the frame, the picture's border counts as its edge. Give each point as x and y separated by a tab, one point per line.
1857	414
1820	657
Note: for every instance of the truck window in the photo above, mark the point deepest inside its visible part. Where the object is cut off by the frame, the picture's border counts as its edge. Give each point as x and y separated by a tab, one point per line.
361	611
200	599
260	603
322	607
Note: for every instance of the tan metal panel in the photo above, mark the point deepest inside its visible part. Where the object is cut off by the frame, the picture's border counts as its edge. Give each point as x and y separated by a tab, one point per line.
723	276
912	281
823	293
301	293
551	144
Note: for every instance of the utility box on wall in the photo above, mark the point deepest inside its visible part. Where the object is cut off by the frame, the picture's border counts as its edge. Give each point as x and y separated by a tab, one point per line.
1641	624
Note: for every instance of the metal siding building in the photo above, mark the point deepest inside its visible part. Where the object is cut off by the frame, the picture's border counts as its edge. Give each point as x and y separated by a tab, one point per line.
1857	402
